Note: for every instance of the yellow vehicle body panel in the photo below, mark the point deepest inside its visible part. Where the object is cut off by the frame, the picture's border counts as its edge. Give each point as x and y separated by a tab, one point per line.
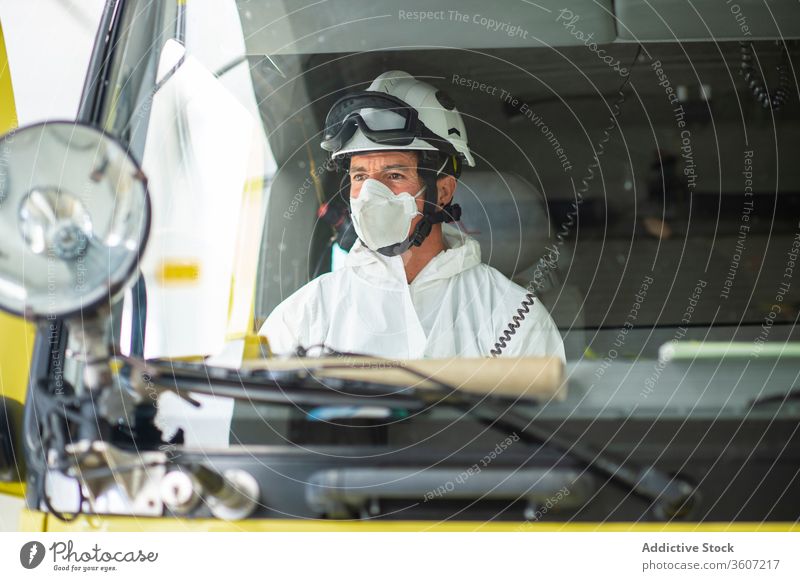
159	525
32	521
16	334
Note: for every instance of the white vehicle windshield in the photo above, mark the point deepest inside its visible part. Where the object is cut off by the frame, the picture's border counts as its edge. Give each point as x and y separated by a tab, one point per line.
642	186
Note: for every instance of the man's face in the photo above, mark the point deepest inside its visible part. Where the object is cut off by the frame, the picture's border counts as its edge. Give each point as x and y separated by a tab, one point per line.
395	169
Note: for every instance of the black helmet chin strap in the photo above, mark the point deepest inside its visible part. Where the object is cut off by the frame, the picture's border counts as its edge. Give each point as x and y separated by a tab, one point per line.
430	214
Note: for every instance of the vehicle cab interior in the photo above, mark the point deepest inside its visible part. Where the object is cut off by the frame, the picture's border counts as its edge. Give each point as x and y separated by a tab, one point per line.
636	167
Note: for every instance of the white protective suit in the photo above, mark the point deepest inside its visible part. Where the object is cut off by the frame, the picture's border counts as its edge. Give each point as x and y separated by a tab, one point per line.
455	307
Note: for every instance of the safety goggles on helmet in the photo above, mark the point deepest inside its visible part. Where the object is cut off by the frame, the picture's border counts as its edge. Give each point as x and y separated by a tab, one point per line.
382	118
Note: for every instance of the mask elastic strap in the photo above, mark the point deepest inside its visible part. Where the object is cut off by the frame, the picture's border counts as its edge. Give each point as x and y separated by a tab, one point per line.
450	212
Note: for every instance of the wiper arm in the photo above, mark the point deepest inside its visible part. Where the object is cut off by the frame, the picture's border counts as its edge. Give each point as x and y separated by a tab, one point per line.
360	377
671	496
778	398
292	387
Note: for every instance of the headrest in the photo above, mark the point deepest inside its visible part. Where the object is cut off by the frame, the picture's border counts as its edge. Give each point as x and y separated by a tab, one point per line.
507	215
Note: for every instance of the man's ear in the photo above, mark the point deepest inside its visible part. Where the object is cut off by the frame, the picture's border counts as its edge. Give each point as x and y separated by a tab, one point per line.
446	187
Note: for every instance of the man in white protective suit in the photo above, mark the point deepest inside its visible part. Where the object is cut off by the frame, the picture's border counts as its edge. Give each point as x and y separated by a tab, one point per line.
413	285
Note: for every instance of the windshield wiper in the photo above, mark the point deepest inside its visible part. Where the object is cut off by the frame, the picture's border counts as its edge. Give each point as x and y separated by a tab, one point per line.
778	398
672	496
289	387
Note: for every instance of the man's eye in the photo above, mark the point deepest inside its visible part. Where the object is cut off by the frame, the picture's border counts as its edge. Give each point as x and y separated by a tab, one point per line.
359	177
396	176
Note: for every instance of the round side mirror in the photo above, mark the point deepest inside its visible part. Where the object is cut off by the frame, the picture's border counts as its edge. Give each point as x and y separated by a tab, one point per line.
74	219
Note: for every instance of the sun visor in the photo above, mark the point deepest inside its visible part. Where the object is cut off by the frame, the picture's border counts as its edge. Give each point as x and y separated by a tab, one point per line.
283	27
671	20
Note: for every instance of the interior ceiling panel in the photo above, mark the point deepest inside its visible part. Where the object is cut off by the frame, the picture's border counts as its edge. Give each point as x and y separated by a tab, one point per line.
684	20
335	26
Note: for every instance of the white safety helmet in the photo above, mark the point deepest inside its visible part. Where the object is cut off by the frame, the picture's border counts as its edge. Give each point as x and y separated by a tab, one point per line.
396	112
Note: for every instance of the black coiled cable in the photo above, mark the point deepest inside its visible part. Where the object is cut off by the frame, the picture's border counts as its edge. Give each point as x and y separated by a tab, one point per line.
755	82
566	226
524	309
53	414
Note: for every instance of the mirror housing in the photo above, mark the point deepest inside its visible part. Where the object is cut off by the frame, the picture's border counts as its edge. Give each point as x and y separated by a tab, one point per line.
74	217
74	221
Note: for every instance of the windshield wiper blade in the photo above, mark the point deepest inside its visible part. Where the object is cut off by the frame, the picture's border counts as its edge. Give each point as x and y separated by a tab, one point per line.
672	496
778	398
296	387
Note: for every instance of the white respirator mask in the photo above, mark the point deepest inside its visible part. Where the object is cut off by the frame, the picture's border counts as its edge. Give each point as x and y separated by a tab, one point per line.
381	217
